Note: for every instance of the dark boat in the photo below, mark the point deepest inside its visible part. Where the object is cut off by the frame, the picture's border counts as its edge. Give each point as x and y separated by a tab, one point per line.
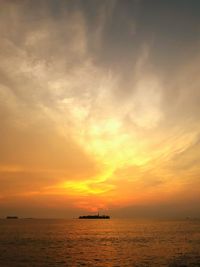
11	217
94	217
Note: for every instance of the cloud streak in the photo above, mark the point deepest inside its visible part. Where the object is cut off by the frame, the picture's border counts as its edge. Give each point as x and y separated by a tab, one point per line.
90	111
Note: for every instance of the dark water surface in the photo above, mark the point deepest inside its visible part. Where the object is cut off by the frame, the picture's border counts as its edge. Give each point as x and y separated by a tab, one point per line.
99	243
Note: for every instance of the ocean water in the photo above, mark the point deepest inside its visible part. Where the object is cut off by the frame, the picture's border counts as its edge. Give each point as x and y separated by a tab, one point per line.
99	243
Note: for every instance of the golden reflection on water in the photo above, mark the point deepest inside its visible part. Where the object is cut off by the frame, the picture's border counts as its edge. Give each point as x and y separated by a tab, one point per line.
99	243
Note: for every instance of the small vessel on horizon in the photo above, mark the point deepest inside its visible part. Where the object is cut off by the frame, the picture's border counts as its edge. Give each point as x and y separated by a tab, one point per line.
94	217
11	217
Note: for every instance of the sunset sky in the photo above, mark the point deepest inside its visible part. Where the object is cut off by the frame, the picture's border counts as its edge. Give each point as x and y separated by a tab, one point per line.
100	107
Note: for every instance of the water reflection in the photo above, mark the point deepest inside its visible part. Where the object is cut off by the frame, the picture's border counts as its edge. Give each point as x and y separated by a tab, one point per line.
99	243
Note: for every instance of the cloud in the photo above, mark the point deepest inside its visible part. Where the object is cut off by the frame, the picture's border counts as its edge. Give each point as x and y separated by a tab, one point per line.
89	108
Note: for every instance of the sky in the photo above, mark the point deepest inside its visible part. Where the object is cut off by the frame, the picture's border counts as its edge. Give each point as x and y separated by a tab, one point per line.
100	108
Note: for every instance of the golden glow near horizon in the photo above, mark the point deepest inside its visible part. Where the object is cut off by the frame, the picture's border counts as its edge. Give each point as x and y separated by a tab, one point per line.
91	123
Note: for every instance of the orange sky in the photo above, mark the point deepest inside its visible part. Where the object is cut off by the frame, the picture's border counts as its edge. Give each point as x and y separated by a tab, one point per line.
99	108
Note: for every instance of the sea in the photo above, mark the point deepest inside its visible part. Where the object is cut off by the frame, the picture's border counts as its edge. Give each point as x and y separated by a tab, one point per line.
114	242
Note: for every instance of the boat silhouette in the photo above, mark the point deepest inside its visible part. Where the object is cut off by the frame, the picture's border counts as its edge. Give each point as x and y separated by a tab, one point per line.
94	217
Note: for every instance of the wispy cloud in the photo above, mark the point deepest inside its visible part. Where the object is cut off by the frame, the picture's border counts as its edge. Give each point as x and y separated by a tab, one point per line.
89	106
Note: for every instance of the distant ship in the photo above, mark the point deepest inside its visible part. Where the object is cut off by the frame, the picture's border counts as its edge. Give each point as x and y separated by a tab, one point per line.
11	217
94	217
